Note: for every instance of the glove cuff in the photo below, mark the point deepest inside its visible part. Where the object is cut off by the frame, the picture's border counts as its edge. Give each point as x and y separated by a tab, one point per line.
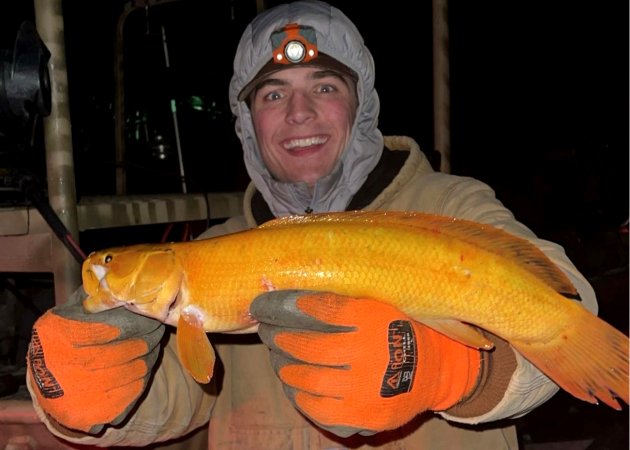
448	371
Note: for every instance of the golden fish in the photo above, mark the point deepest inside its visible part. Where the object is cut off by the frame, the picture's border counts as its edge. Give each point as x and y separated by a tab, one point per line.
446	273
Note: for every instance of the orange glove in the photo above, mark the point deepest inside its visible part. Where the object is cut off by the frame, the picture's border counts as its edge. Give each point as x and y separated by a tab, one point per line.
88	370
358	365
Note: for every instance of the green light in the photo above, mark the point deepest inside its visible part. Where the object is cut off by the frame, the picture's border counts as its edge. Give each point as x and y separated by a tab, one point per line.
196	103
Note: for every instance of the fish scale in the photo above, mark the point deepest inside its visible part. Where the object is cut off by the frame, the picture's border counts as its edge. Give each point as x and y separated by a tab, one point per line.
446	273
348	264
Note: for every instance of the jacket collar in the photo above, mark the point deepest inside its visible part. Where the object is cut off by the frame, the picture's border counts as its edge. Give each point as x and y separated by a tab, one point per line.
388	166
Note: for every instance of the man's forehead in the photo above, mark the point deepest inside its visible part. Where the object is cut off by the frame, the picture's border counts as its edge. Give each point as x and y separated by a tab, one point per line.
321	62
302	72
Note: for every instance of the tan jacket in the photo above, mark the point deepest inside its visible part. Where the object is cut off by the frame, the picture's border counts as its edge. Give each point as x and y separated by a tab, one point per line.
246	407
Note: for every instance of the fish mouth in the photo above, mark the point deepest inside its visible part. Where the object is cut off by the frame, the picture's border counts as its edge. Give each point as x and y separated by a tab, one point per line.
96	286
99	272
99	297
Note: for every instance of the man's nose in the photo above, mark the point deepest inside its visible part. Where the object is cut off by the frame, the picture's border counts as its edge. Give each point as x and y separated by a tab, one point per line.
300	108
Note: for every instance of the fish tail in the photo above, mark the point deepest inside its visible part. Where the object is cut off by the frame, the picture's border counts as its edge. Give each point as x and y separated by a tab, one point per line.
589	360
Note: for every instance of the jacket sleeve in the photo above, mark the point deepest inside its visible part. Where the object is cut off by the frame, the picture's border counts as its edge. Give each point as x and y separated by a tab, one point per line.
513	386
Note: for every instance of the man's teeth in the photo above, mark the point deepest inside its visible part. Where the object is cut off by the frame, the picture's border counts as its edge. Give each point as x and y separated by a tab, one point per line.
306	142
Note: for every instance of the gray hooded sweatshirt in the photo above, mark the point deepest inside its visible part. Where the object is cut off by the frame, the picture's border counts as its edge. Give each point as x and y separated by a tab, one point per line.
337	37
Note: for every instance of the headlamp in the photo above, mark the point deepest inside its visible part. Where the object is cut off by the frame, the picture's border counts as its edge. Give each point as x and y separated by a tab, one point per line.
294	44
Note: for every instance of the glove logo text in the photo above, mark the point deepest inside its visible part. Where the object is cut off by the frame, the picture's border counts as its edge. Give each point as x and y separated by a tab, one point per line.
401	341
46	381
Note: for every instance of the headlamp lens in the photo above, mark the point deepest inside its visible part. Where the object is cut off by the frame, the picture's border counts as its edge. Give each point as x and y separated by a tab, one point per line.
294	44
294	51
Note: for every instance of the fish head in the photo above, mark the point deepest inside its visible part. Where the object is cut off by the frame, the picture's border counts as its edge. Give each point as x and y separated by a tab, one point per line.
143	278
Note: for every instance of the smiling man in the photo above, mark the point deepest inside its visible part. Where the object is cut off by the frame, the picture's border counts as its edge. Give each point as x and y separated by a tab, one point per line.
303	118
324	371
308	121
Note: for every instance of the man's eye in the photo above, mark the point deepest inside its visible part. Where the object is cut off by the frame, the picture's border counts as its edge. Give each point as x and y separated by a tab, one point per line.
273	95
327	88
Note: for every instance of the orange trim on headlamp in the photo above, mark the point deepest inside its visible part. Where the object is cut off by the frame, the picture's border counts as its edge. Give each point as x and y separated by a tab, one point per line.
294	44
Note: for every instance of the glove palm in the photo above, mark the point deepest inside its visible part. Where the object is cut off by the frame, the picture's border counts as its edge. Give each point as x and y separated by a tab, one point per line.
358	365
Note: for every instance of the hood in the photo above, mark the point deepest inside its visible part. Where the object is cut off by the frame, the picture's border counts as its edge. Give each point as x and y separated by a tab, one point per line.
339	38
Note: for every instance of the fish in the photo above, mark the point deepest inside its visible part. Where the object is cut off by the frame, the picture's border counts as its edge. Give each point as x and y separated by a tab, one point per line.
456	276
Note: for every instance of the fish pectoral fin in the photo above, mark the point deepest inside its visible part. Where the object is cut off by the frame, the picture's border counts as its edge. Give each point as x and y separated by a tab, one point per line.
460	332
195	351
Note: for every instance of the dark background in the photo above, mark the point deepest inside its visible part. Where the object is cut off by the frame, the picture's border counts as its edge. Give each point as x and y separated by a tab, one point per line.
539	110
539	96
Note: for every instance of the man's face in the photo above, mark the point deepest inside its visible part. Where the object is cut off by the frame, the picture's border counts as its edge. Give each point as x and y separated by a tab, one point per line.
303	117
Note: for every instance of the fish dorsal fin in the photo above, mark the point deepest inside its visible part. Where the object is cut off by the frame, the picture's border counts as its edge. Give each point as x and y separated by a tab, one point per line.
484	236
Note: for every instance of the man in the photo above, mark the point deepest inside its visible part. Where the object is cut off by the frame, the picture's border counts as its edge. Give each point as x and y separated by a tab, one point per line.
307	112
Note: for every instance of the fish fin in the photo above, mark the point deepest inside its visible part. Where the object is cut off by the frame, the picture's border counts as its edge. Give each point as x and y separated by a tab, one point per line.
195	351
460	332
589	359
486	237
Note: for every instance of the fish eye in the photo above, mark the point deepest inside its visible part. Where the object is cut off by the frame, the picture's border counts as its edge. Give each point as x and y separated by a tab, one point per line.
108	259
